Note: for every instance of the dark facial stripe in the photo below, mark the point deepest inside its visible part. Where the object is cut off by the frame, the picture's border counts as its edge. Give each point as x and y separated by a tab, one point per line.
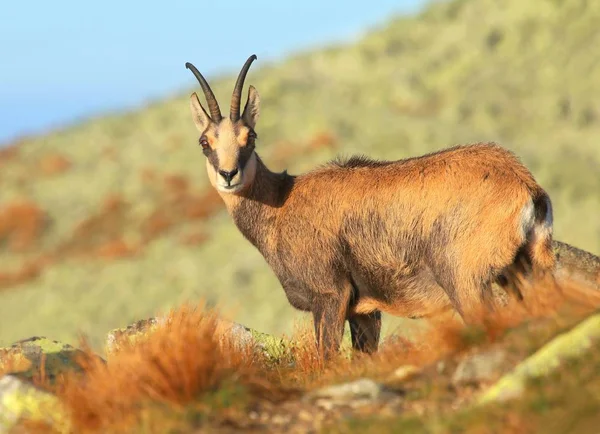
213	158
244	156
245	153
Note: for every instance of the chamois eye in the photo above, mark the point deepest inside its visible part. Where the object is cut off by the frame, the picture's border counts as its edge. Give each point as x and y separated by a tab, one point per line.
251	137
204	143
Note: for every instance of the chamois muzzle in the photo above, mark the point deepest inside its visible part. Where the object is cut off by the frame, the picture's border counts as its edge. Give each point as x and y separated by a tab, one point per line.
228	176
234	113
213	105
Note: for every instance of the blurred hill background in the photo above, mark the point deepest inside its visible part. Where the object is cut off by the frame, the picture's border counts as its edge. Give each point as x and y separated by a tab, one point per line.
109	220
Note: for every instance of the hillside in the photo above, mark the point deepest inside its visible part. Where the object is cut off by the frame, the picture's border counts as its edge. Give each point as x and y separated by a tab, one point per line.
112	219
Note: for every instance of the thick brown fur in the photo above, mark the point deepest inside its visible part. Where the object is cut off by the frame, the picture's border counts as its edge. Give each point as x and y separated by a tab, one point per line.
413	238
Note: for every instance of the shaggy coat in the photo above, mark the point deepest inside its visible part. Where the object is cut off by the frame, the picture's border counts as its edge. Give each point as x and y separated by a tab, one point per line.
357	237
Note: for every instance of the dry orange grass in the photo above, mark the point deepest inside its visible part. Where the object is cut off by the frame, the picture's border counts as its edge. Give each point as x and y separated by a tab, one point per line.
94	232
116	249
304	369
21	224
175	365
53	164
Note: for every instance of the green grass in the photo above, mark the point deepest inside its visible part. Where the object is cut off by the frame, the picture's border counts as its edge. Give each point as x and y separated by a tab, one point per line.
525	74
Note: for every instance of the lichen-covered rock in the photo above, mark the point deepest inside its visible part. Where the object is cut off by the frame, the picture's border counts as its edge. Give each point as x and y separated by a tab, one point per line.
131	332
39	355
271	346
572	344
19	399
27	363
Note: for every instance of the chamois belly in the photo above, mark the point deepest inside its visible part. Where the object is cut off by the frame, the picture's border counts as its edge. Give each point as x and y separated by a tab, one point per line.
399	290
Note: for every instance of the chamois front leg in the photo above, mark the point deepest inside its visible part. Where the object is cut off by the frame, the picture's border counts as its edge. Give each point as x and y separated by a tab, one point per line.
329	317
365	330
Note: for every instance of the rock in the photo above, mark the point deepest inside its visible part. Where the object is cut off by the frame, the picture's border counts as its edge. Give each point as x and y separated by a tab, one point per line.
359	392
21	396
479	367
20	399
131	332
272	347
27	357
572	344
239	334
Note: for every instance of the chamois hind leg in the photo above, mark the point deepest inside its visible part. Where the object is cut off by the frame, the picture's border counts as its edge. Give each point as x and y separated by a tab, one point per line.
329	317
365	330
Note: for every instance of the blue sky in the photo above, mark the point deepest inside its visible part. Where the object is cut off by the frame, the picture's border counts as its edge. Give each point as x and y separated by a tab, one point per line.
66	59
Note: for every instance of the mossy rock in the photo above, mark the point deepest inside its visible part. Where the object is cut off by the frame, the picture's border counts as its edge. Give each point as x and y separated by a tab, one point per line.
273	347
131	333
31	366
39	355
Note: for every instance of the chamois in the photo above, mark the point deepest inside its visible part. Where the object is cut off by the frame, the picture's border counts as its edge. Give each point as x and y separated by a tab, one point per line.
357	237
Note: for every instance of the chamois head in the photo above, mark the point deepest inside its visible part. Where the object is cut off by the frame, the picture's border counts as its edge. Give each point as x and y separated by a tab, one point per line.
228	143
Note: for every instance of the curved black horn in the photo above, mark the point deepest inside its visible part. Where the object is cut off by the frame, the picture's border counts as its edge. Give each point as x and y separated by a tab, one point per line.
213	105
234	113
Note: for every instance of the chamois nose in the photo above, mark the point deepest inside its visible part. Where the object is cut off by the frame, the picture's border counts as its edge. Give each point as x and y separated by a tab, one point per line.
228	176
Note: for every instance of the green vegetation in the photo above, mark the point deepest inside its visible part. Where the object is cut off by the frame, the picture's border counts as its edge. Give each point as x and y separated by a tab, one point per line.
108	221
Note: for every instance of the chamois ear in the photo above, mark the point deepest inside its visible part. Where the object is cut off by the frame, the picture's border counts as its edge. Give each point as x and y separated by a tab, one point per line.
199	115
252	108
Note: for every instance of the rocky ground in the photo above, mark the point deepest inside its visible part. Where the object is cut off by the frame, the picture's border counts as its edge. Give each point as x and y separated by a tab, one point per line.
533	371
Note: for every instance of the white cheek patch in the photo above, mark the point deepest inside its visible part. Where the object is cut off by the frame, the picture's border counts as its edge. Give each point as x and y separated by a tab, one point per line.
212	173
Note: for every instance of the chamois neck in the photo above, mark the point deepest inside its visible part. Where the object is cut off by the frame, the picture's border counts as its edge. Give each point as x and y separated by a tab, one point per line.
268	188
253	209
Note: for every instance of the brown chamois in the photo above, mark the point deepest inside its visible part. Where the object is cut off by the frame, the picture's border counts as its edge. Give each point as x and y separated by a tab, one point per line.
356	237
